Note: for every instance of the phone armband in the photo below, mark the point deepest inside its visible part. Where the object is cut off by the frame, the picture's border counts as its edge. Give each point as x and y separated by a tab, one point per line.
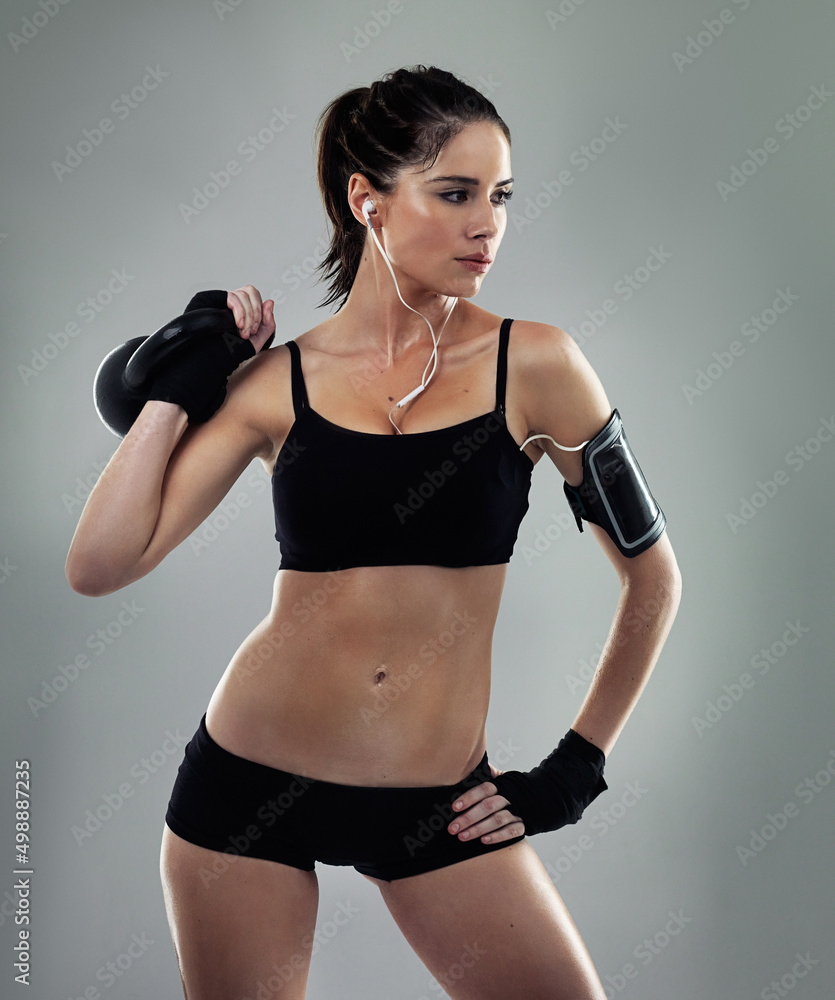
614	493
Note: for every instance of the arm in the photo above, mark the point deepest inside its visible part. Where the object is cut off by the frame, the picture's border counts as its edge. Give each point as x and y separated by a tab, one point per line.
564	398
650	592
568	402
165	477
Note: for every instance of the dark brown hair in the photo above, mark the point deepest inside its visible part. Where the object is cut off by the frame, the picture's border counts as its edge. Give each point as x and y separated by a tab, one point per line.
400	121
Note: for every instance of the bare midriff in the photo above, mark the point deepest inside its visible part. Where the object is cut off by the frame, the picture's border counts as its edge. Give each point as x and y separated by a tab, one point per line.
374	675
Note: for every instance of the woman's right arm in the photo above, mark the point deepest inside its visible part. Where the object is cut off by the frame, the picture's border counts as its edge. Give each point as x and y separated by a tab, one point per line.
166	477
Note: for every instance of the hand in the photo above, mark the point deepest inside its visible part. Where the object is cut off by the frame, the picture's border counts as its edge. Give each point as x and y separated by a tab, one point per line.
557	791
484	814
196	378
255	319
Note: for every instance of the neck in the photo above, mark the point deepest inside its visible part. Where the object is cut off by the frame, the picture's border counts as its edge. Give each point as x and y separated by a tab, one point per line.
376	320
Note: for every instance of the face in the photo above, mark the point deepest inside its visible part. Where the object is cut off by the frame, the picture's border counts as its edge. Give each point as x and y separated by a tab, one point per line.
457	208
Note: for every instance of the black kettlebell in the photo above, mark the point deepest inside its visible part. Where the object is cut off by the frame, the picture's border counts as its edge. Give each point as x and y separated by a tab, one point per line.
124	378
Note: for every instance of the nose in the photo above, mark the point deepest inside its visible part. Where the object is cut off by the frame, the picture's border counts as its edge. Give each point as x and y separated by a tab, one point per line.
485	222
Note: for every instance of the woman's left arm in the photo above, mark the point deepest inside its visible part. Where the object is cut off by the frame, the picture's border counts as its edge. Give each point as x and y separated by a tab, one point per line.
564	399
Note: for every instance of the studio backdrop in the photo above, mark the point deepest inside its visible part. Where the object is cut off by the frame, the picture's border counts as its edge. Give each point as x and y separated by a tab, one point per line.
673	212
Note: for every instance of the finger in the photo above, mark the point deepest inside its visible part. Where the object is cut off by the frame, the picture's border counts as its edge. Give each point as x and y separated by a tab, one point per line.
248	316
501	825
238	302
255	311
476	813
267	320
267	328
474	795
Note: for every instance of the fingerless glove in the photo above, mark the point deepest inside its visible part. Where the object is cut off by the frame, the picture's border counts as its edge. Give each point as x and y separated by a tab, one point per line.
555	793
196	379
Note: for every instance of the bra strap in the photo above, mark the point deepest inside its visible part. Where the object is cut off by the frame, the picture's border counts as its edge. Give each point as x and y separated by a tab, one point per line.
501	367
297	378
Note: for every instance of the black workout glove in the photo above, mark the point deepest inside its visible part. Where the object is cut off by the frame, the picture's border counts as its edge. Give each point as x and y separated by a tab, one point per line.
214	299
196	379
556	792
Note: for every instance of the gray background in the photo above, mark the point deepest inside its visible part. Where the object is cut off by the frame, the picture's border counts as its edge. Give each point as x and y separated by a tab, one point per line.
698	794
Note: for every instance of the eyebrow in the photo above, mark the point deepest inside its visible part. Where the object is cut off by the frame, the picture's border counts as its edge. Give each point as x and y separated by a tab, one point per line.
457	179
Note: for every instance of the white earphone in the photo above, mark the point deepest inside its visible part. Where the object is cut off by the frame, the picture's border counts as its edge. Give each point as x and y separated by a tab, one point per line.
367	209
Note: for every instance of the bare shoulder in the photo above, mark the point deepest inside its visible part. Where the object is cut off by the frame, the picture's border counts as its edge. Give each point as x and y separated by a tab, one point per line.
259	396
561	394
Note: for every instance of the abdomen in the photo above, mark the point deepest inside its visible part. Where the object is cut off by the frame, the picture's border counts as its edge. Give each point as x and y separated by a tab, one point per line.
376	675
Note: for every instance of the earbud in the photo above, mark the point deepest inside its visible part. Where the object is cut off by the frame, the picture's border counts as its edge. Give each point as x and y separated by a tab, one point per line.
367	209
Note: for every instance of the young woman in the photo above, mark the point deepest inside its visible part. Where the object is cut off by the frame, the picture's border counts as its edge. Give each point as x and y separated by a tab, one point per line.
349	727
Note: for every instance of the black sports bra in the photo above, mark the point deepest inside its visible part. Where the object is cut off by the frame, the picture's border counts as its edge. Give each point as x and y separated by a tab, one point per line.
454	496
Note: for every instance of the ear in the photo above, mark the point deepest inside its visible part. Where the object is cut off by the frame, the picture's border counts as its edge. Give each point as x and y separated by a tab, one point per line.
360	191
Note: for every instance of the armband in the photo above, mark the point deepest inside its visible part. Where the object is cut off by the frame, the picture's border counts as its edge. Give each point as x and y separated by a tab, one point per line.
614	493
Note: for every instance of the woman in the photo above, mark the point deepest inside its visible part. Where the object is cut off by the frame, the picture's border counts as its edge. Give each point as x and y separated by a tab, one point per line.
349	727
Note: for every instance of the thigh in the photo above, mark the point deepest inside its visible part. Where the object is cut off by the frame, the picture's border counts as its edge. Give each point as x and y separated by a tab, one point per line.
242	927
493	927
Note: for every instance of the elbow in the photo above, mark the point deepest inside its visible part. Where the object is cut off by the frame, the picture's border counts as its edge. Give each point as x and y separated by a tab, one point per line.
90	579
84	582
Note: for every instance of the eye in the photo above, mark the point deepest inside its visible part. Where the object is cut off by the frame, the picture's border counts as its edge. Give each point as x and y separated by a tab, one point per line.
451	196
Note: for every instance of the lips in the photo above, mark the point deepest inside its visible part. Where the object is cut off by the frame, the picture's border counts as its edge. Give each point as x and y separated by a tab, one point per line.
480	258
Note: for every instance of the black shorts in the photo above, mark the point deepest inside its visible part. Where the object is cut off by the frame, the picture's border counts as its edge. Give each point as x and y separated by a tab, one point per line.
227	803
